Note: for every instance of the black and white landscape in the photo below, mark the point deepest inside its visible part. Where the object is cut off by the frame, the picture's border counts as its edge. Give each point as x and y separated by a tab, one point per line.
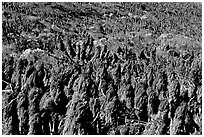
101	68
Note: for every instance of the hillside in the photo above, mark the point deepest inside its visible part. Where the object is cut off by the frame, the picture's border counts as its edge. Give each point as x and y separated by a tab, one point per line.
101	68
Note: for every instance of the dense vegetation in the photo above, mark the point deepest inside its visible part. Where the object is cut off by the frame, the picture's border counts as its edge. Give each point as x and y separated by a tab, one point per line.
101	68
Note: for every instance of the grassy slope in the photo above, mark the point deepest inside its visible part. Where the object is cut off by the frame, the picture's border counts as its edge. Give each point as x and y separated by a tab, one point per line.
75	18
